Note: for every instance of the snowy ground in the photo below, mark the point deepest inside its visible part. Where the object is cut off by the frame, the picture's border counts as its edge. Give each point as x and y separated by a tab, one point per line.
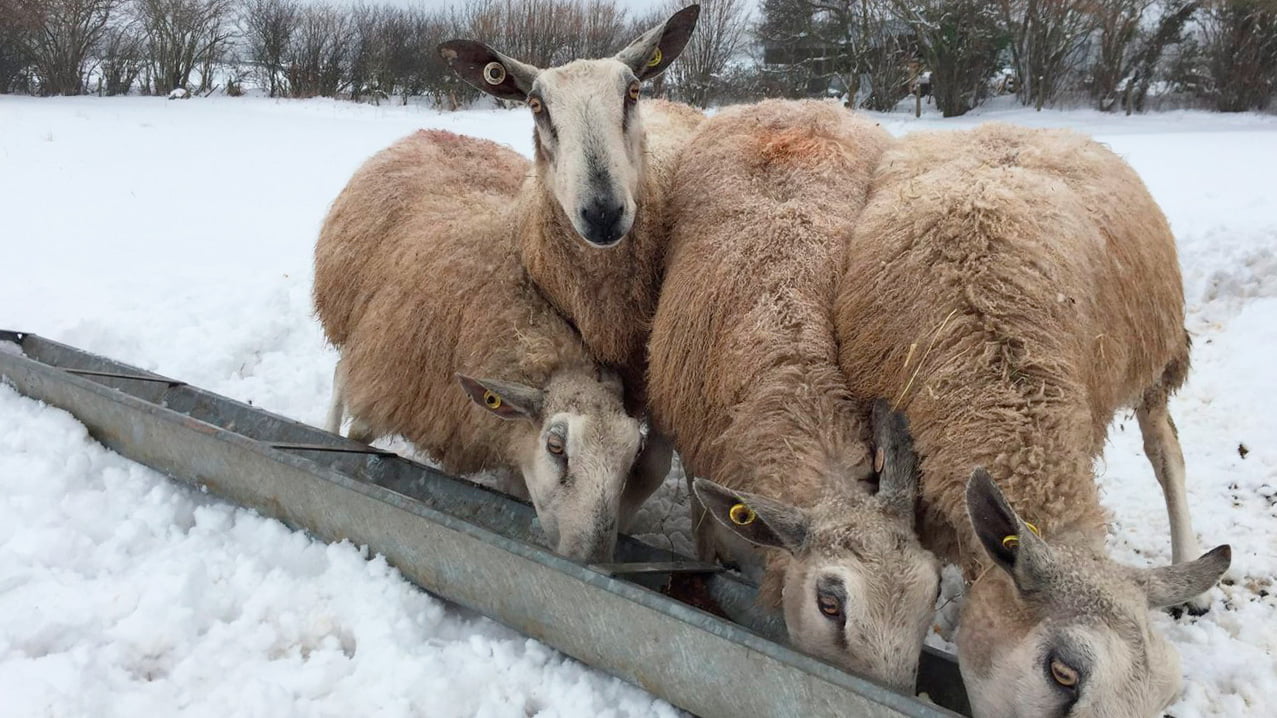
177	236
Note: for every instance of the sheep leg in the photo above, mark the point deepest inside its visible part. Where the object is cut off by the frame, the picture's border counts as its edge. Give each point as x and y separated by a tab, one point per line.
649	472
1161	445
336	409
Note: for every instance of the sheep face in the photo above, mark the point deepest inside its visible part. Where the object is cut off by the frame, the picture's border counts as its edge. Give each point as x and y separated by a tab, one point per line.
589	145
859	590
588	135
1061	629
576	448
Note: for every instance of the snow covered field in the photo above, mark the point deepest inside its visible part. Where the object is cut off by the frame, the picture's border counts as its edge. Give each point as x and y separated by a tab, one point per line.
177	236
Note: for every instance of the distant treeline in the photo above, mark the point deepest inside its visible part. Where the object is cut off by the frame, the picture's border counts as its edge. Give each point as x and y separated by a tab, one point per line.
1114	54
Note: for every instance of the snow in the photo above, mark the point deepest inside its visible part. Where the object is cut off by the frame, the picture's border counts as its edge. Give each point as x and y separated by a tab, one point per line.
177	236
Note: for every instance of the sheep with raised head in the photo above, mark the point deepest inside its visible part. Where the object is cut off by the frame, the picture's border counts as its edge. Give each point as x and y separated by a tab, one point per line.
601	169
1011	289
744	378
599	182
418	283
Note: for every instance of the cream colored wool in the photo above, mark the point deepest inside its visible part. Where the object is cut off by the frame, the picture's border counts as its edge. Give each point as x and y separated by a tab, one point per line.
1011	289
743	374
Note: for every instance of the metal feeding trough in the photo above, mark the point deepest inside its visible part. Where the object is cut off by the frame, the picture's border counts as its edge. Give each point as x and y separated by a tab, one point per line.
654	618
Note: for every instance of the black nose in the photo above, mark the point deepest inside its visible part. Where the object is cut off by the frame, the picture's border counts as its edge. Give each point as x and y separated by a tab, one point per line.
602	220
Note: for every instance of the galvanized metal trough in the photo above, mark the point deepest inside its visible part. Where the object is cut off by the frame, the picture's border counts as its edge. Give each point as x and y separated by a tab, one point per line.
470	545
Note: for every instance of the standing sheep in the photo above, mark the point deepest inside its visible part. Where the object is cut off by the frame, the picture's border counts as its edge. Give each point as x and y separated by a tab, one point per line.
1010	290
418	283
744	378
598	182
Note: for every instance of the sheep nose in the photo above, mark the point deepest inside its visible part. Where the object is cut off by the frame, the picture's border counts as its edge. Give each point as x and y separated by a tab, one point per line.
601	219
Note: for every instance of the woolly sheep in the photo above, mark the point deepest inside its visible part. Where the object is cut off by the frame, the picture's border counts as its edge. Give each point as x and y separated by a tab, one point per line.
602	163
744	379
1011	289
598	182
418	283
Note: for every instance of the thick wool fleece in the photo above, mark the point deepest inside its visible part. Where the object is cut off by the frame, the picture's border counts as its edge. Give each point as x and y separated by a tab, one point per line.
417	276
609	294
1011	289
743	374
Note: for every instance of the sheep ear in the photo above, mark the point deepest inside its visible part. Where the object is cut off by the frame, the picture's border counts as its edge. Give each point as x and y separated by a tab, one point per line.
507	400
894	461
488	70
755	518
1173	585
1011	544
654	50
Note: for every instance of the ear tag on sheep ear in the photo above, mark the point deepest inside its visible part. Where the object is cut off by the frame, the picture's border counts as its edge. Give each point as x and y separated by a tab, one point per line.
494	73
656	58
491	400
880	460
741	515
1011	542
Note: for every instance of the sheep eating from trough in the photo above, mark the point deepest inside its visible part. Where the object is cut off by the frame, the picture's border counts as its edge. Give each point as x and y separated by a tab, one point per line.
744	378
1010	290
418	283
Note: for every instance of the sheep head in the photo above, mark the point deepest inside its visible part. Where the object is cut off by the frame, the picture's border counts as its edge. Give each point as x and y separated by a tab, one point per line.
859	590
588	131
1057	628
576	447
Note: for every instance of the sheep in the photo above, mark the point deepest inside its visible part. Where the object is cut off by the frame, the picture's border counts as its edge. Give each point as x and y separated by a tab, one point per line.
599	177
1011	289
744	378
593	184
418	281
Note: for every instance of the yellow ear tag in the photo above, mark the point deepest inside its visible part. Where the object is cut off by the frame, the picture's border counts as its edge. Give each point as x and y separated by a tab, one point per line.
492	401
1010	542
742	515
656	58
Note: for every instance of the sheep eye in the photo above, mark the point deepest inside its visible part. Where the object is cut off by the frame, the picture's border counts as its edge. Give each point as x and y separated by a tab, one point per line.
1063	673
554	444
829	605
535	104
633	92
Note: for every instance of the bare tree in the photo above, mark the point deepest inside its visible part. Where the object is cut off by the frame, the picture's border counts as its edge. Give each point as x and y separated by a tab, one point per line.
720	36
1151	46
1119	26
180	36
319	53
1240	47
536	31
1048	40
64	35
887	47
15	33
428	73
367	52
266	27
122	58
603	28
